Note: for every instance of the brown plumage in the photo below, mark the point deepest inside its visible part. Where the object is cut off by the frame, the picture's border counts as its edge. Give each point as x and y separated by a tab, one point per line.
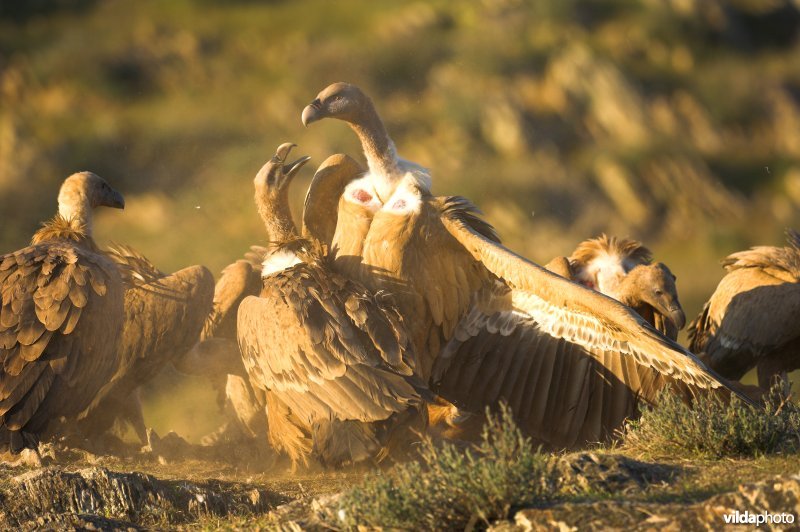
217	355
621	268
750	319
164	314
489	325
334	360
601	263
61	317
650	290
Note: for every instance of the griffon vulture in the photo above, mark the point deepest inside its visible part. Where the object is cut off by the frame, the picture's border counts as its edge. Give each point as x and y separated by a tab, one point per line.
61	317
621	268
217	354
489	325
334	361
163	318
750	319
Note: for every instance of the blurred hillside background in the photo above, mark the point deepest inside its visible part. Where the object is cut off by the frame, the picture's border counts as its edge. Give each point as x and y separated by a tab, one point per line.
673	121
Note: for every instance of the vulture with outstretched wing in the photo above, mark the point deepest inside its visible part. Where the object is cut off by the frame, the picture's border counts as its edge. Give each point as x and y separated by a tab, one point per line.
489	325
750	319
61	317
164	314
333	359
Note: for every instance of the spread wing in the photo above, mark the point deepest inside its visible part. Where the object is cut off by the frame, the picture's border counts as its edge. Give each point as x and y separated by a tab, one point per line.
750	314
60	320
326	348
572	363
163	319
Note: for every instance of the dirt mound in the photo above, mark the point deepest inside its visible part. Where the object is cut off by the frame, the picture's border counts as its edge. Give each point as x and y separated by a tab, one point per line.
610	473
779	496
55	497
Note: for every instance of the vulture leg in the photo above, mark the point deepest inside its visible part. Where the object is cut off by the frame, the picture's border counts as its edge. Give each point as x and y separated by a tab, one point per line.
132	413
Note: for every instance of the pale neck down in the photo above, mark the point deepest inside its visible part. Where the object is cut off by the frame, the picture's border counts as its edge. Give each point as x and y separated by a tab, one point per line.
380	152
76	209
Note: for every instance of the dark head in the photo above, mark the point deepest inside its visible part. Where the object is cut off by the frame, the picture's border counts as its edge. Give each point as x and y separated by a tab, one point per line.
276	175
339	100
654	285
272	193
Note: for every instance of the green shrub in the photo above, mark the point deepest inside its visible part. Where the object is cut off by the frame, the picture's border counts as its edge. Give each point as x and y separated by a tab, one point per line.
454	488
714	428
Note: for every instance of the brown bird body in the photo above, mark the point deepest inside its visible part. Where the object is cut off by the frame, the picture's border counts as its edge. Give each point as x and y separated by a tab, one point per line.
61	317
749	321
622	269
490	325
334	361
164	314
217	355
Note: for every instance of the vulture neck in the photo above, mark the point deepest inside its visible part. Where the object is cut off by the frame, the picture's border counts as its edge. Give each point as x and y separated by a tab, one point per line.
276	215
379	150
74	208
322	204
627	295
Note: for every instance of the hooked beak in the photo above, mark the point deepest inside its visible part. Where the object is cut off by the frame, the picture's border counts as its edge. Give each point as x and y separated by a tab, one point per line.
115	200
312	113
678	317
289	169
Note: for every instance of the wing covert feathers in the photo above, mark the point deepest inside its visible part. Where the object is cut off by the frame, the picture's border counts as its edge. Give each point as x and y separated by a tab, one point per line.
326	350
60	318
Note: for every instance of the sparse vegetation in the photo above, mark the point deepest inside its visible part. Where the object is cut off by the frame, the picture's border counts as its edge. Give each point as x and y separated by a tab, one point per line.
454	488
677	122
711	428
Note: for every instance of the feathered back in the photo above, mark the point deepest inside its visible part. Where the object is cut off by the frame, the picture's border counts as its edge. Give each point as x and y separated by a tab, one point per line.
627	249
60	228
782	262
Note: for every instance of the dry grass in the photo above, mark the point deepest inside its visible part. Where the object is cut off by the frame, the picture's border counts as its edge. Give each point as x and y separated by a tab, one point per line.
712	428
454	488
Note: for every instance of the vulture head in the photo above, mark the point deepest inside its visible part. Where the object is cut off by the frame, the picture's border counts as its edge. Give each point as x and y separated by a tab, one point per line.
273	180
86	190
272	194
339	100
80	194
654	284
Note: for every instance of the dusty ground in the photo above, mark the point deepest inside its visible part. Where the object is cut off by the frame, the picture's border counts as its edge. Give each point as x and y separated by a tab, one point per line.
192	488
